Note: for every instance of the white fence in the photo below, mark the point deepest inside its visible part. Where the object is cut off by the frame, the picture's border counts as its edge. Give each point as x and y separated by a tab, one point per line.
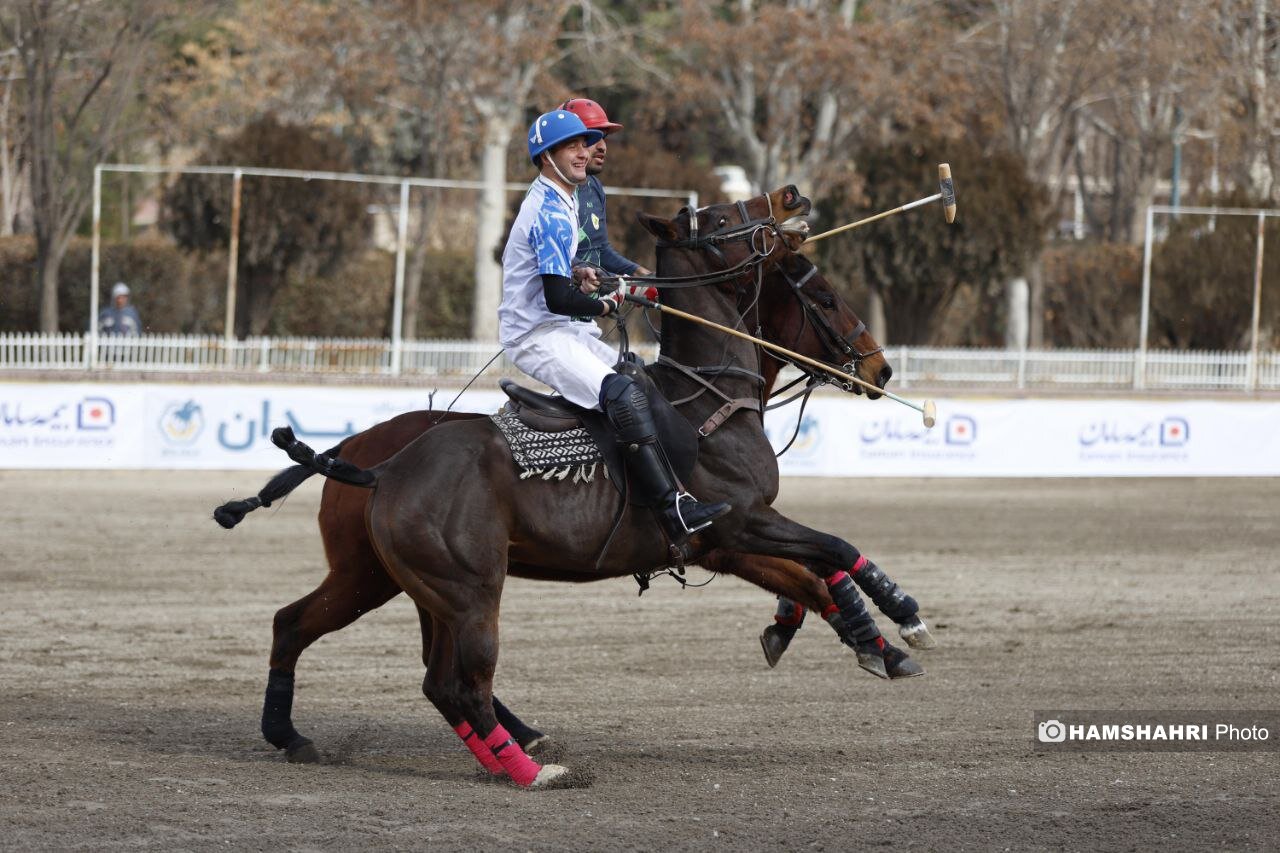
456	360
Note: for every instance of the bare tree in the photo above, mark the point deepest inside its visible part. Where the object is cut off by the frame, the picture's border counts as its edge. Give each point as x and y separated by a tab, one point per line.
791	105
13	172
1160	90
80	61
1037	62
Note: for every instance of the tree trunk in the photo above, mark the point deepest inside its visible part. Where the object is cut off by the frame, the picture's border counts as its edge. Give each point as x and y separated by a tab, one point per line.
48	263
876	323
255	296
490	214
416	269
1035	304
1016	326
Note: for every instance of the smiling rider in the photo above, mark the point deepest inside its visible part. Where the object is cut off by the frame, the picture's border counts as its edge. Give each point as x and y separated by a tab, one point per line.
546	328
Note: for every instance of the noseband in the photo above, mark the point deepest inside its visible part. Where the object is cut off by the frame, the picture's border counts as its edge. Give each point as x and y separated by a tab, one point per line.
832	339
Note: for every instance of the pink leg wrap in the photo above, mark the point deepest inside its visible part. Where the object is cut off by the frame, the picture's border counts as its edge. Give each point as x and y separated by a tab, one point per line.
482	753
857	567
522	769
836	578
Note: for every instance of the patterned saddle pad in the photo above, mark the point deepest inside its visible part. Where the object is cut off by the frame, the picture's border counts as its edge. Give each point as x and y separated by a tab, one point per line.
550	455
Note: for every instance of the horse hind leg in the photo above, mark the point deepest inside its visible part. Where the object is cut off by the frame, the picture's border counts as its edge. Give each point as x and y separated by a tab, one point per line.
437	651
894	603
341	598
470	691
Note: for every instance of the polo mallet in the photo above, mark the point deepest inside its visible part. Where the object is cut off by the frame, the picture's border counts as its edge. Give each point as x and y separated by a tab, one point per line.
946	193
928	410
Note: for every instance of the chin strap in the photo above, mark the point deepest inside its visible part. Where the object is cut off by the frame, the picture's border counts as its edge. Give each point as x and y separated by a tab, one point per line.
560	174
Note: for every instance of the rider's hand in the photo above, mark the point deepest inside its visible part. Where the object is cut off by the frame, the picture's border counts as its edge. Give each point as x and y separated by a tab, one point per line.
587	279
613	302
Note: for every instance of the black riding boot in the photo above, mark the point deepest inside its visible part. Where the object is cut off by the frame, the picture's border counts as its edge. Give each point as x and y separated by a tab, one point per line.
653	483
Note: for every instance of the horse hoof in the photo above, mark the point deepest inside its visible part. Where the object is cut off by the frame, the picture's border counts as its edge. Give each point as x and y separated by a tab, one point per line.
904	667
870	659
539	744
917	635
773	644
551	776
302	752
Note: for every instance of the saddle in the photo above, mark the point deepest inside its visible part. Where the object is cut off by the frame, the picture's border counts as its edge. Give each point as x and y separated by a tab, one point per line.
546	413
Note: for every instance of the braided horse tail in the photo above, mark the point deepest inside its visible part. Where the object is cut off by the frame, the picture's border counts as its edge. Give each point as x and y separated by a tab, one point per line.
309	464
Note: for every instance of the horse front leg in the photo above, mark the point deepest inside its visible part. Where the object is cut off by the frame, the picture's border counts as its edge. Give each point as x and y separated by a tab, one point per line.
831	559
798	589
529	738
884	592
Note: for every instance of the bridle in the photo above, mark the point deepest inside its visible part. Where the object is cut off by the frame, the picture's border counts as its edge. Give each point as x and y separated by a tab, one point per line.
761	234
836	343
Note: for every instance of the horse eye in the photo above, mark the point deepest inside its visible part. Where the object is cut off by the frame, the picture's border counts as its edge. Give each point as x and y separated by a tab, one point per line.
724	220
827	301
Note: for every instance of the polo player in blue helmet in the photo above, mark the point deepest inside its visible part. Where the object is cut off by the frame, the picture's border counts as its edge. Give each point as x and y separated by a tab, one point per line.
546	320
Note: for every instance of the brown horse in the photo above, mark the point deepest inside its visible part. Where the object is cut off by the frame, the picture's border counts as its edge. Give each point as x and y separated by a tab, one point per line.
449	514
815	324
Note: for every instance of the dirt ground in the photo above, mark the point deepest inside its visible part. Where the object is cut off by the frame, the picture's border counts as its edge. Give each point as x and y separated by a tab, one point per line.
135	632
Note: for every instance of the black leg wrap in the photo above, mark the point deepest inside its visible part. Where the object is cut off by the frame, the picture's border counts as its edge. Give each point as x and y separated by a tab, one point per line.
789	615
277	711
886	594
858	626
524	735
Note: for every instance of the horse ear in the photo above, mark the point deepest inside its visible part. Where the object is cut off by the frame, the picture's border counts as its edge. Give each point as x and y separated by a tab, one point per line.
663	229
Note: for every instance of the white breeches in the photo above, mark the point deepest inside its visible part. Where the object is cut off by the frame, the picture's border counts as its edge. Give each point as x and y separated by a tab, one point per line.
570	357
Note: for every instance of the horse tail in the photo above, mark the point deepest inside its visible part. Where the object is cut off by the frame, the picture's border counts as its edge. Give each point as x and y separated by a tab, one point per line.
321	463
283	483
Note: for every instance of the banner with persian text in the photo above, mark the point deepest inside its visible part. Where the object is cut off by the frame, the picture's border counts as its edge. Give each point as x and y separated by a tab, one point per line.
155	425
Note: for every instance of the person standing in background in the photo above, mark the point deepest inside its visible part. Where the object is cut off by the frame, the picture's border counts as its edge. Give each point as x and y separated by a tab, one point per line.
119	318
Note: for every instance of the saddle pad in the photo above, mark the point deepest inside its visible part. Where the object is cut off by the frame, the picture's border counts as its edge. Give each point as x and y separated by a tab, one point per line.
550	454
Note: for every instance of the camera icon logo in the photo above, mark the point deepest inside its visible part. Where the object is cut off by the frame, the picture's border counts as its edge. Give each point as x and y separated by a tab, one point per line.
1051	731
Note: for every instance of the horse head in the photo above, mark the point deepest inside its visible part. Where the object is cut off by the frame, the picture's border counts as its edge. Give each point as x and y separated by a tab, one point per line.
724	244
808	316
712	261
752	273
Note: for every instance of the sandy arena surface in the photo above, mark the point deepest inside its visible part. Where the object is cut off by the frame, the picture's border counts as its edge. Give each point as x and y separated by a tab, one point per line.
135	632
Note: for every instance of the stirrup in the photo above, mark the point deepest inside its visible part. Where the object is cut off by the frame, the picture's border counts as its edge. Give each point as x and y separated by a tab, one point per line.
680	516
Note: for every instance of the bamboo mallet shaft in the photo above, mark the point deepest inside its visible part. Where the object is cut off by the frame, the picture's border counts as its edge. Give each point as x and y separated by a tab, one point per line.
928	410
946	194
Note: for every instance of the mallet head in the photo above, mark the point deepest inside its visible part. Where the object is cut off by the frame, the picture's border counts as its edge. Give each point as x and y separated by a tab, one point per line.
930	414
948	191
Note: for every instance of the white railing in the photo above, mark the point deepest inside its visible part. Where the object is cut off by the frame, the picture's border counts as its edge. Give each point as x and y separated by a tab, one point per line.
458	360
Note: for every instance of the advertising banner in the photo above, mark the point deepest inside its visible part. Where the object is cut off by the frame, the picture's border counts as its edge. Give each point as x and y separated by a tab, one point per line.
154	425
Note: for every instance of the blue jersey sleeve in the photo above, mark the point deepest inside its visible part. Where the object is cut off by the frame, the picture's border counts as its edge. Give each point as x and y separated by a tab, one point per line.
553	240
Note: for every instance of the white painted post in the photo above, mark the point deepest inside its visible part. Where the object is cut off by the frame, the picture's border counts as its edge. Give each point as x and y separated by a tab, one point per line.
233	259
1140	363
94	266
1252	381
397	308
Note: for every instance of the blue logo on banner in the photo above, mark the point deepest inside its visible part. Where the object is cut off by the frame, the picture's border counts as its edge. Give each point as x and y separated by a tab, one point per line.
182	423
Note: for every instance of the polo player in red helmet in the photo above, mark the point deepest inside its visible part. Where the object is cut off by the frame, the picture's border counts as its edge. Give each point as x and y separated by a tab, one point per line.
595	249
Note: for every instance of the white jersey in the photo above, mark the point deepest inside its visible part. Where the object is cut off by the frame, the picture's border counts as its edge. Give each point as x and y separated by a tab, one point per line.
543	241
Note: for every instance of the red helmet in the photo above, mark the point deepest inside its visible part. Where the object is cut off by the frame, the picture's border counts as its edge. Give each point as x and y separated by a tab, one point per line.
591	113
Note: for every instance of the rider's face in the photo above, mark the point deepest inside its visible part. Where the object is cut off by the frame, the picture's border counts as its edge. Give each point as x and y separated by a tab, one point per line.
596	165
572	158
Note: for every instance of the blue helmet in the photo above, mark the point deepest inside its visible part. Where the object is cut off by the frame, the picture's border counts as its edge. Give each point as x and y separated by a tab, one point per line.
550	129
